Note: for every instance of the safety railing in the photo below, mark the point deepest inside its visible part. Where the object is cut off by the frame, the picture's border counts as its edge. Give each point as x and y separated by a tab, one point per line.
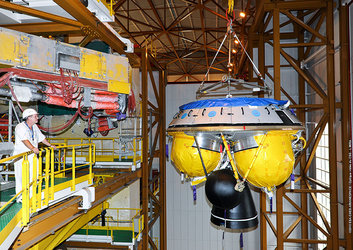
118	219
109	149
51	173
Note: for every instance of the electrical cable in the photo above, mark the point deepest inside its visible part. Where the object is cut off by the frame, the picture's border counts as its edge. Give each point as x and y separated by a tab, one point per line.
230	31
199	150
252	62
214	58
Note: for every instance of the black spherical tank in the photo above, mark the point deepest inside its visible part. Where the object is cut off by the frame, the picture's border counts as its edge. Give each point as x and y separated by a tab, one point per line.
220	189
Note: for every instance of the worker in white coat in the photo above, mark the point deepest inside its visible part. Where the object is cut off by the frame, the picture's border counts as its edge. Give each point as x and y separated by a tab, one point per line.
27	138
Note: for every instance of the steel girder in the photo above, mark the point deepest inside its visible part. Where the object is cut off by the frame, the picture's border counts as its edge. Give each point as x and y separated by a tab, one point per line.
154	146
308	16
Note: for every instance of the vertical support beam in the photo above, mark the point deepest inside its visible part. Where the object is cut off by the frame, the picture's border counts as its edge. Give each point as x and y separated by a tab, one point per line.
10	121
263	202
345	126
334	240
145	172
263	222
276	54
261	58
279	217
302	118
162	160
251	54
277	95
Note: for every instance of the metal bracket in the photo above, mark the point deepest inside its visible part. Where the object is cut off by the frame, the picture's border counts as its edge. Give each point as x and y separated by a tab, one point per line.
88	196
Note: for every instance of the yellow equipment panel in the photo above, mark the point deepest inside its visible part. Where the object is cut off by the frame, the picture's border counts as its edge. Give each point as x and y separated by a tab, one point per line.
118	71
26	51
41	54
93	65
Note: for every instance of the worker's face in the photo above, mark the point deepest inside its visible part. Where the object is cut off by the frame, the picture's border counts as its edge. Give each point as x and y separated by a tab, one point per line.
33	118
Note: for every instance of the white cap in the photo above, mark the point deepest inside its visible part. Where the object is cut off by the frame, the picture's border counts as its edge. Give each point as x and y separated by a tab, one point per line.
28	112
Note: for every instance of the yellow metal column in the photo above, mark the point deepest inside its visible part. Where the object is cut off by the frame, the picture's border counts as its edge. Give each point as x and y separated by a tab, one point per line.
73	181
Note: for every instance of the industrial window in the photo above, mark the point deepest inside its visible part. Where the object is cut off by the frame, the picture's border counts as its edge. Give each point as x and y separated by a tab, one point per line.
323	176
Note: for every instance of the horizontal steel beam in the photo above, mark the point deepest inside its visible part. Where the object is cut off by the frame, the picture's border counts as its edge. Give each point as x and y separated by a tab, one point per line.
37	13
50	28
294	5
97	245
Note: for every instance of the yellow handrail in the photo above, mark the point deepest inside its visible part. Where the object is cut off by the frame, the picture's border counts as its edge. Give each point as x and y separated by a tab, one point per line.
108	149
25	193
112	220
33	198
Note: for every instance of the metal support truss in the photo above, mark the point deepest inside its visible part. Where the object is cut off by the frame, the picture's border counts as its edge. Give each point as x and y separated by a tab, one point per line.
308	17
153	132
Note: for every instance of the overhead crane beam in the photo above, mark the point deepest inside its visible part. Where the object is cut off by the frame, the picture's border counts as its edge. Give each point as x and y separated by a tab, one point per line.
37	13
85	21
76	9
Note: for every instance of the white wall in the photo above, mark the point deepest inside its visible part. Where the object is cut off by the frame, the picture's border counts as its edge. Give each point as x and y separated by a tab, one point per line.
128	197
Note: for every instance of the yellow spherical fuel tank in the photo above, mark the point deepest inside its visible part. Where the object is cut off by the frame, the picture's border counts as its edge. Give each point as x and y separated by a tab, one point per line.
271	163
187	159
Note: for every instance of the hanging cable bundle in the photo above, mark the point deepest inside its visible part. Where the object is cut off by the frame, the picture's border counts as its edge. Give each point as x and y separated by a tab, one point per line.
68	123
68	88
5	80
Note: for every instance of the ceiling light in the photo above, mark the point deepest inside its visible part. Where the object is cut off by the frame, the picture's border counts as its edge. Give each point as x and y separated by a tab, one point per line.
234	51
242	14
236	41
